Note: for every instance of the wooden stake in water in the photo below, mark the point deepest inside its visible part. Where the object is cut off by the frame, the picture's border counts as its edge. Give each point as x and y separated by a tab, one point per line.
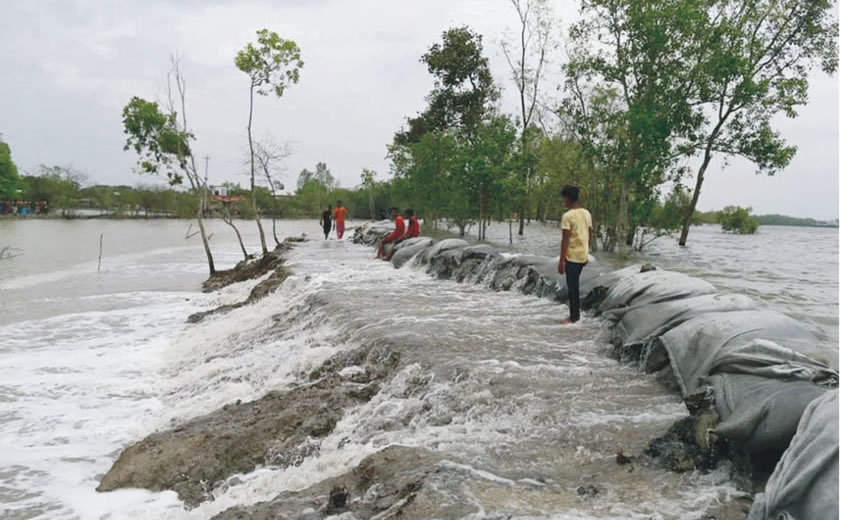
100	258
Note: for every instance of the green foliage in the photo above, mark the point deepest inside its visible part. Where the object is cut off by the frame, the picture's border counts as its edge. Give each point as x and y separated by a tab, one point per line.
272	62
157	139
784	220
60	186
9	179
734	219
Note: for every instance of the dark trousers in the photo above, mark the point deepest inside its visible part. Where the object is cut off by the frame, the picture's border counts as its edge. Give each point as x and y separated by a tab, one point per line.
573	270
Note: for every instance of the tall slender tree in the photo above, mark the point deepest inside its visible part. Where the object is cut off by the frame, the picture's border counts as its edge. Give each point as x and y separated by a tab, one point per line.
527	63
272	64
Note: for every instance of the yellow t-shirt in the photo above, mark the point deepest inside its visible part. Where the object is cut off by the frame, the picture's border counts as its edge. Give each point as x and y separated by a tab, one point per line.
578	222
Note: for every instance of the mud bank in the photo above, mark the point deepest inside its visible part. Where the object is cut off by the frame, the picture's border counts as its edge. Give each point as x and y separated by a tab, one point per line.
249	270
746	375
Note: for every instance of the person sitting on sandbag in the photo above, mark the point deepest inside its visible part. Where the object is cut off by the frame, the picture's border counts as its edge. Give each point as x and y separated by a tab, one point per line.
395	235
412	230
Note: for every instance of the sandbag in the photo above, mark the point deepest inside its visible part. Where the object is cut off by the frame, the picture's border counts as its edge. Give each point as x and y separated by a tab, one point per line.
404	254
763	342
479	251
804	484
443	245
594	289
653	287
760	414
637	326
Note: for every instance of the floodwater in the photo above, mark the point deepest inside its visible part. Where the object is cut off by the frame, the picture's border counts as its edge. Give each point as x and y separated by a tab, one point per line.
525	410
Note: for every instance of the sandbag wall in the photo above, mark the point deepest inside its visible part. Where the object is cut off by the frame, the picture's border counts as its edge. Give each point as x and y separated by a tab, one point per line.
748	376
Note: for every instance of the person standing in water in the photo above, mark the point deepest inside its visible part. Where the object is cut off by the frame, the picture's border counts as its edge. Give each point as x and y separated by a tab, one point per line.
325	221
574	250
340	219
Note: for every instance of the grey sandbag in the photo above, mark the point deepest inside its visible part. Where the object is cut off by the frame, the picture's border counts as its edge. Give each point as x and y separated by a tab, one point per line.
804	485
404	254
653	287
594	289
762	342
443	245
759	414
641	324
479	251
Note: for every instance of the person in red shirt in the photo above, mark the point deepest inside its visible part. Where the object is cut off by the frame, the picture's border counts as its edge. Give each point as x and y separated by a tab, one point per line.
395	235
412	230
340	219
412	224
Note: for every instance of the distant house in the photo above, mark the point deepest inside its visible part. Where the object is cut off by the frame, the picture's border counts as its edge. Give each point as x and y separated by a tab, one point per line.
221	194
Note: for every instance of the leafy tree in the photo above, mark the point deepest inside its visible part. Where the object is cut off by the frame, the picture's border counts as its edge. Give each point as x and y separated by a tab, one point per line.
161	139
756	62
9	179
755	65
663	218
272	65
738	220
634	54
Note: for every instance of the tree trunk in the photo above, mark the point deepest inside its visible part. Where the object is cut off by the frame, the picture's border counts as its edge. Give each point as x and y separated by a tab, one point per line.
690	212
239	238
252	173
623	220
202	234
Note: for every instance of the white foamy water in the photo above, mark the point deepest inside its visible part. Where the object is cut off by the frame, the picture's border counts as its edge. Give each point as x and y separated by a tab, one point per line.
522	410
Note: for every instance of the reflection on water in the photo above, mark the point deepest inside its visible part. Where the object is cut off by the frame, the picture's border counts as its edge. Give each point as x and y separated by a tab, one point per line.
529	410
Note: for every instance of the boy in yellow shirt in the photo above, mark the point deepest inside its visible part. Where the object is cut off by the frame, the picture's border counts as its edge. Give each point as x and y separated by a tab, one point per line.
574	250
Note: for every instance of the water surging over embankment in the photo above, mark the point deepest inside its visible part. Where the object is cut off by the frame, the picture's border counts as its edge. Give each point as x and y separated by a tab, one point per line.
369	390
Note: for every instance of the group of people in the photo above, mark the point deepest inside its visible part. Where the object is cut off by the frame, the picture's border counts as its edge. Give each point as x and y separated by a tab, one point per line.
576	225
400	233
335	218
23	207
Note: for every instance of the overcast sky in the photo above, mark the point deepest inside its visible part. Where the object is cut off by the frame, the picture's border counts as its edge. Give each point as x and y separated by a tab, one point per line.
69	66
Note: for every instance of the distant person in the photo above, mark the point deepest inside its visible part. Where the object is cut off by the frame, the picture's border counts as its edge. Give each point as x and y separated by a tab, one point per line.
340	219
397	233
325	221
574	250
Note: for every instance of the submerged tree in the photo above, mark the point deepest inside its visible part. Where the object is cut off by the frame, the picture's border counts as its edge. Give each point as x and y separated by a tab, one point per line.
272	64
756	62
738	220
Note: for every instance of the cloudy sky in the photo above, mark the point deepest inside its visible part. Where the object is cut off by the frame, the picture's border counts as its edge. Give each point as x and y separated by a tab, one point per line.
69	66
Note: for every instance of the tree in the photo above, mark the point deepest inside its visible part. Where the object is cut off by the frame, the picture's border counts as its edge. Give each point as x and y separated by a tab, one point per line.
272	64
161	139
637	51
270	157
367	179
663	218
757	58
738	220
9	179
534	42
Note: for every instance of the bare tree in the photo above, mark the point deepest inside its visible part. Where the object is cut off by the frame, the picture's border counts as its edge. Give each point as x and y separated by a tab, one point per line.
270	156
175	103
526	63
